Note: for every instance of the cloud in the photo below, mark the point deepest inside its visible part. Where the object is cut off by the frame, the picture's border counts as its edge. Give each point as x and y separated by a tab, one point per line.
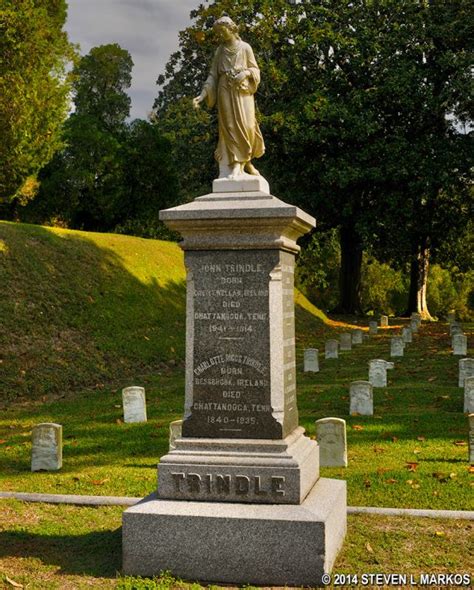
148	29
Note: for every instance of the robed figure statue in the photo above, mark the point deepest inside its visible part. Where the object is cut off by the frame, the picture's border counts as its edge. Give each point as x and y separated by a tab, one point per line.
232	82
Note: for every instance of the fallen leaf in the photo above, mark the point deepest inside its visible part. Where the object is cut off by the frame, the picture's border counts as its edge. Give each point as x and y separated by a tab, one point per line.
411	466
440	397
2	440
344	397
422	438
13	583
452	475
357	427
117	406
146	337
471	469
391	480
435	493
99	482
440	533
367	483
394	438
369	547
379	450
460	443
76	478
382	470
118	421
416	451
409	482
415	486
432	379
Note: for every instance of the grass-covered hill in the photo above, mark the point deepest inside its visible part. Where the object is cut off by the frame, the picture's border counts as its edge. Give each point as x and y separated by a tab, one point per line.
86	310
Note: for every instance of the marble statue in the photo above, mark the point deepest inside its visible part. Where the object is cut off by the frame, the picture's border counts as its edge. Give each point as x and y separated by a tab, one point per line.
231	84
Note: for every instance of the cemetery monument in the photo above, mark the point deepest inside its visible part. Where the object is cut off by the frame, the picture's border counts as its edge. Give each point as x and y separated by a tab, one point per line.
239	499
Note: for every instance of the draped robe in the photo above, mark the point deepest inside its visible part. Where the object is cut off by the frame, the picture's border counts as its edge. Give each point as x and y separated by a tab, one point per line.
240	138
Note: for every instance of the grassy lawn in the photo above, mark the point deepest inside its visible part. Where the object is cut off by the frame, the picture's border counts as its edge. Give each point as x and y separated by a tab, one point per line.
88	314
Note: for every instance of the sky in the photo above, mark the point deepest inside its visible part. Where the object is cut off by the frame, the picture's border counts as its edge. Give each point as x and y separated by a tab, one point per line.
148	29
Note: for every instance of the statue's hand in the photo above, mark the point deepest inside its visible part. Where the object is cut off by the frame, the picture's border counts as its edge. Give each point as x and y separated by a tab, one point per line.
241	76
198	100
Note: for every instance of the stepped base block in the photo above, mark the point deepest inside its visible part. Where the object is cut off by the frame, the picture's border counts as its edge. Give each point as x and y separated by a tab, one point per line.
240	470
269	545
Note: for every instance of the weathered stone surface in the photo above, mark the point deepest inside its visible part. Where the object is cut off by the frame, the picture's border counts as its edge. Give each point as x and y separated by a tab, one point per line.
407	335
459	342
345	340
357	336
134	404
311	360
176	430
466	369
378	372
414	325
451	317
332	441
256	471
397	346
47	447
361	398
268	545
469	395
247	184
331	349
384	321
471	439
373	328
455	328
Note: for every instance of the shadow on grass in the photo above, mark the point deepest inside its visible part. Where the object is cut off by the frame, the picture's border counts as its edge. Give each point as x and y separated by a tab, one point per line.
96	554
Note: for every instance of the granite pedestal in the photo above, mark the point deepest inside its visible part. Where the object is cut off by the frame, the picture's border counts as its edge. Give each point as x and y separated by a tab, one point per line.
239	498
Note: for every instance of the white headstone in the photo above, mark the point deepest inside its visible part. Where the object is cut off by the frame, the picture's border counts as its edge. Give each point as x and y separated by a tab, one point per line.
47	449
134	404
311	361
414	325
346	341
378	372
459	344
456	329
407	335
469	395
332	441
384	321
176	428
357	336
451	317
373	328
466	369
471	439
397	346
362	398
415	315
331	349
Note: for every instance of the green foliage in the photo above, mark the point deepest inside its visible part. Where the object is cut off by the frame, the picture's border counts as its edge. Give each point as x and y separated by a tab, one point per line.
34	89
384	288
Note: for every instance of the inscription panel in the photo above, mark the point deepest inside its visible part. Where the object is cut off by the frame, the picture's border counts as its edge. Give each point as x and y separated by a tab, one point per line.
231	354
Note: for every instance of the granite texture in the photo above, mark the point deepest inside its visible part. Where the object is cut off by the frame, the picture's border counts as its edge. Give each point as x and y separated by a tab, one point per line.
357	336
373	328
243	184
245	470
469	395
176	430
237	543
407	335
134	404
345	341
459	344
378	372
397	346
361	398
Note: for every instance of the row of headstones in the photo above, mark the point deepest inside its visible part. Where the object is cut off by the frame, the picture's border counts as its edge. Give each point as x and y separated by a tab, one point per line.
347	339
330	434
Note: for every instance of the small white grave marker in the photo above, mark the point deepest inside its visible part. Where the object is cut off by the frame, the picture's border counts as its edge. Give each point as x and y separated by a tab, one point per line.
134	404
373	328
407	335
176	431
47	449
414	325
346	341
397	346
357	336
332	441
466	369
311	360
384	321
469	395
459	344
362	398
451	317
331	349
378	372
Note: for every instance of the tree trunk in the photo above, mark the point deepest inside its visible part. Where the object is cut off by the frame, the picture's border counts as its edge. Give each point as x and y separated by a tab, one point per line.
419	266
350	273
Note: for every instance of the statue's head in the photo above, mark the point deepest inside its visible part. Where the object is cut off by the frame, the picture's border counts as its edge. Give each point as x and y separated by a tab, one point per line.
225	22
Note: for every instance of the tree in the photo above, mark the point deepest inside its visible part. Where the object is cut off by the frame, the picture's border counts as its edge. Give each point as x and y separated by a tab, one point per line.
34	89
347	94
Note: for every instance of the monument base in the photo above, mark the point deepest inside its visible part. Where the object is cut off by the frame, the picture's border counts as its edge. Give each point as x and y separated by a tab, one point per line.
269	545
240	470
